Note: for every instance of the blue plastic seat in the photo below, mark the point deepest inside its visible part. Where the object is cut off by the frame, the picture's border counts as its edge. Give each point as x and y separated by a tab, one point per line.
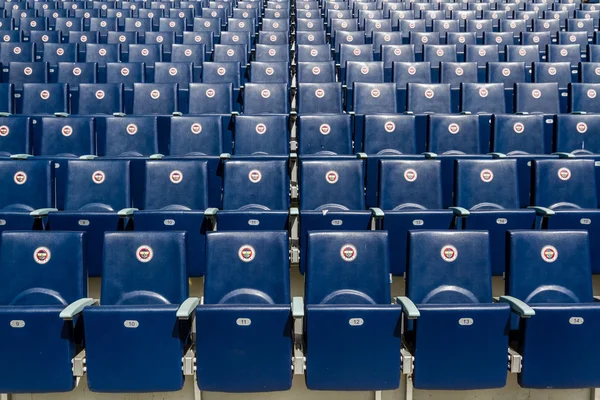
272	53
130	136
253	290
589	72
361	71
155	98
65	137
347	285
149	304
449	280
577	134
482	55
270	72
537	98
582	97
211	98
453	134
261	135
425	98
45	98
99	98
15	136
482	98
41	274
315	72
319	98
75	74
316	52
266	98
325	134
197	135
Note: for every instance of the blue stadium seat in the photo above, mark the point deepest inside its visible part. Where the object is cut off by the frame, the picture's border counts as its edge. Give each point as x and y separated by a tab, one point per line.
577	134
155	98
35	291
261	135
270	72
130	136
211	98
482	98
409	72
187	53
456	74
482	55
66	137
449	280
425	98
151	305
315	72
49	98
254	288
266	98
582	98
453	134
319	98
272	53
325	134
537	98
333	294
279	37
99	98
197	135
589	72
316	52
75	74
15	136
361	71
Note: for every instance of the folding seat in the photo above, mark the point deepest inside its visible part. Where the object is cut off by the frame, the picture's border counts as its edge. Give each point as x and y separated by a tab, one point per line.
155	98
347	37
395	53
176	25
501	39
31	23
266	72
154	306
343	27
272	53
444	27
49	284
564	258
483	99
180	73
130	136
319	98
165	39
12	36
577	134
479	8
104	98
479	27
574	38
82	38
307	38
541	39
589	72
120	14
198	135
453	134
462	16
15	136
582	98
313	53
6	24
537	98
69	137
420	39
398	15
187	53
211	98
589	14
409	72
204	37
315	72
385	39
366	15
266	98
377	25
327	309
559	72
279	38
224	72
139	25
507	73
277	25
55	53
126	74
528	16
455	74
102	54
216	14
565	53
525	54
47	97
434	305
16	52
242	25
274	13
27	72
482	54
539	8
325	135
354	52
423	98
436	54
261	135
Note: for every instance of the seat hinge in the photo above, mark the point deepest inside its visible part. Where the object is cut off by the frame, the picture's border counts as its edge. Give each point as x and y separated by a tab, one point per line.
189	363
78	364
515	361
408	361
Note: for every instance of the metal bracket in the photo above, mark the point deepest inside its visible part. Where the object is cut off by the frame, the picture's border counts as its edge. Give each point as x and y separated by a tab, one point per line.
295	255
78	363
189	363
515	361
408	361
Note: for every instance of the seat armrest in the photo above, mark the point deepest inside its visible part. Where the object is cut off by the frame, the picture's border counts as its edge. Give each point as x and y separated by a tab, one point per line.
562	154
225	156
496	154
377	212
429	154
5	114
408	307
297	307
76	307
157	156
460	211
187	307
177	114
118	114
518	306
20	156
42	212
127	212
87	157
362	156
294	211
542	211
211	212
61	114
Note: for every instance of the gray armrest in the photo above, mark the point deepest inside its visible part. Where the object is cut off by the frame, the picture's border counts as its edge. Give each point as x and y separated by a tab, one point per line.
408	113
187	307
127	212
542	211
362	156
157	156
5	114
42	212
76	307
211	212
119	114
409	308
293	155
20	156
87	157
496	154
297	307
377	212
562	154
460	211
429	154
294	211
518	306
177	114
225	156
61	114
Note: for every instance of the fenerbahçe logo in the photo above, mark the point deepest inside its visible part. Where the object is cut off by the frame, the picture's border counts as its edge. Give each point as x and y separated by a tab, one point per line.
144	253
549	254
246	253
348	252
449	253
41	255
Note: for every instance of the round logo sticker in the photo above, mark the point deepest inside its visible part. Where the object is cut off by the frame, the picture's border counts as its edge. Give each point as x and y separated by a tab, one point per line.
176	176
389	126
348	252
458	71
314	52
44	94
20	177
410	175
546	25
591	94
582	127
155	94
125	71
122	39
4	130
261	129
412	70
273	38
316	71
67	130
482	52
536	39
429	93
221	71
506	72
145	52
98	177
27	71
255	176
449	253
311	38
564	174
486	175
522	52
564	52
198	38
397	51
375	93
519	127
272	52
131	129
144	253
319	93
580	24
325	129
196	128
483	92
536	94
100	94
246	253
364	70
265	93
331	177
102	52
551	71
597	71
453	129
439	52
76	71
462	39
188	52
549	254
210	93
172	71
424	39
498	39
41	255
356	52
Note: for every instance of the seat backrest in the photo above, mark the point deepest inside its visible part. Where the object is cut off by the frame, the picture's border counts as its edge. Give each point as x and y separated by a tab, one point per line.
196	135
315	72
410	184
410	72
176	184
449	267
231	53
269	72
456	73
482	98
15	135
506	73
564	52
397	53
247	269
103	53
27	72
222	72
549	267
187	53
256	184
76	73
200	37
425	98
97	185
589	72
42	268
128	136
355	52
72	137
364	71
160	279
514	134
174	72
261	135
523	53
486	184
21	52
436	53
482	53
559	72
59	52
272	53
331	184
45	98
211	98
100	98
564	184
577	133
266	98
374	98
582	97
125	73
313	52
541	39
26	185
347	268
537	98
155	98
320	98
390	134
453	134
325	134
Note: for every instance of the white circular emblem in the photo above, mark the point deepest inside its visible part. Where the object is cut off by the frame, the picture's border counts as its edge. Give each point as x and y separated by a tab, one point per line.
331	177
6	38
348	252
273	38
196	128
412	70
522	52
17	50
172	71
546	25
187	52
325	129
98	177
483	92
591	94
197	38
131	129
67	130
536	39
387	38
449	253
459	71
549	254
255	176
364	70
138	24
582	127
597	71
536	94
397	51
551	71
486	175
375	93
573	39
389	126
320	93
424	39
206	24
20	177
461	39
498	39
45	38
100	94
69	24
144	253
172	24
356	52
261	128
314	52
124	71
272	52
580	24
564	174
4	130
429	93
453	129
41	255
45	95
316	71
482	52
506	72
311	38
246	253
439	52
265	93
210	93
145	52
230	52
519	127
410	175
176	176
27	71
102	52
76	71
564	52
155	94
